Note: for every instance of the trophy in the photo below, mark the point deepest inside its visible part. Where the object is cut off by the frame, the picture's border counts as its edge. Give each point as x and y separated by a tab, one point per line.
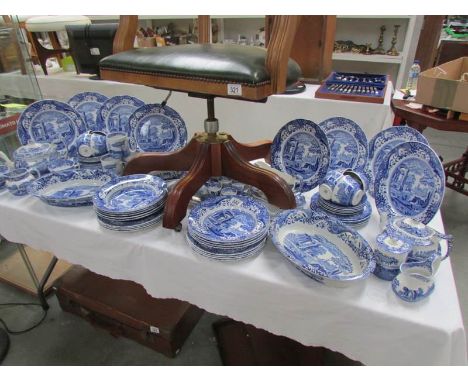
392	51
380	49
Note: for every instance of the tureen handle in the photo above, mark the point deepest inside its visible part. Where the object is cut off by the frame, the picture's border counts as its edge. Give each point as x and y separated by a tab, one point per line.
8	162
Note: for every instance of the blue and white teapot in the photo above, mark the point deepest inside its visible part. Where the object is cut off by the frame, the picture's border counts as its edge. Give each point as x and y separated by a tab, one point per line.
423	239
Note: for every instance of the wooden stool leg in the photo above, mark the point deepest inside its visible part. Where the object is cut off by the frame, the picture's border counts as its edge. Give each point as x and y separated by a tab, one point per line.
275	188
255	150
180	196
41	55
180	160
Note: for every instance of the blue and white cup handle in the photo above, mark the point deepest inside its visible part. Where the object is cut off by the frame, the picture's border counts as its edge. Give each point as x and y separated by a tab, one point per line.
449	239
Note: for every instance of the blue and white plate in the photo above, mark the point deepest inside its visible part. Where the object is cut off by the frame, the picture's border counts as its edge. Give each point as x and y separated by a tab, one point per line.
411	182
49	121
322	247
381	144
88	105
301	150
116	111
157	128
347	142
229	219
130	194
70	188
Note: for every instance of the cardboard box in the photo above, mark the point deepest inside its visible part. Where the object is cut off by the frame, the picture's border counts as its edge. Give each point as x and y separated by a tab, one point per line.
441	86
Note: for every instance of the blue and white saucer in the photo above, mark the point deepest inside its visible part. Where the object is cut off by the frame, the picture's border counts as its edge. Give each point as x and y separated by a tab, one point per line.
50	121
301	150
347	142
157	128
322	247
116	111
411	182
69	188
88	105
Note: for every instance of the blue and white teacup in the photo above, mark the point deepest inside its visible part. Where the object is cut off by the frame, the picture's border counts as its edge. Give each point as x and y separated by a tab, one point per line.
118	145
91	144
414	282
328	184
349	189
112	164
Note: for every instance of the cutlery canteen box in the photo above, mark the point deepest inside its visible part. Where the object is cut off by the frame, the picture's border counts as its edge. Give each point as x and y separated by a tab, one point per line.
124	308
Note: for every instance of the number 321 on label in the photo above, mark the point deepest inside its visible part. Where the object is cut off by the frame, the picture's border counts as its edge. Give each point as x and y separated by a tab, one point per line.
234	89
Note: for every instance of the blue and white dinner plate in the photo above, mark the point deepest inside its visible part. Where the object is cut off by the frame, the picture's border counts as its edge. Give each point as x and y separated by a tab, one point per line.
157	128
381	144
48	121
130	194
138	225
229	219
347	142
88	105
116	111
411	182
322	247
300	149
70	188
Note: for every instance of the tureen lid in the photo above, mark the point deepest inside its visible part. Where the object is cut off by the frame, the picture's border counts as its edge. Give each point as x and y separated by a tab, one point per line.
32	150
388	243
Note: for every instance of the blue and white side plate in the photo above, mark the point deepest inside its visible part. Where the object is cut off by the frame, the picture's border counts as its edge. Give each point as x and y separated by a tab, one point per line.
322	247
70	188
116	111
48	121
347	142
300	149
229	219
157	128
411	182
130	194
88	105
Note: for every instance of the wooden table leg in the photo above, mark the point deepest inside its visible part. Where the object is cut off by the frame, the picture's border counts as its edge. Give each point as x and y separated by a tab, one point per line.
275	188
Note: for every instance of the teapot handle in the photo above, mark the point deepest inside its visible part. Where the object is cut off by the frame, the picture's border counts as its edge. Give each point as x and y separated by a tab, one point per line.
449	239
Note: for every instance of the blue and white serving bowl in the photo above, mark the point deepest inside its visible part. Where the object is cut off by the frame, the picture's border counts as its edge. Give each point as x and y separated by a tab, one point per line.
17	181
322	247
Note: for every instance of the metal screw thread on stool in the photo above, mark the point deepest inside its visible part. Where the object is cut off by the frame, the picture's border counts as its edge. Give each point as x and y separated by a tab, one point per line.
211	123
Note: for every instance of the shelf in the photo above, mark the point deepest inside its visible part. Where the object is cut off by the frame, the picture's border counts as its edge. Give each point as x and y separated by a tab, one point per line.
373	16
368	58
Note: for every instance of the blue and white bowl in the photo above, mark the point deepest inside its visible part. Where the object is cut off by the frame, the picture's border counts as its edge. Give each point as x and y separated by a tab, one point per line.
18	180
415	282
58	165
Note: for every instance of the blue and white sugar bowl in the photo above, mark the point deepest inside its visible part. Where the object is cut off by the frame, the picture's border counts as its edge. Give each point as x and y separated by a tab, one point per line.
18	181
390	253
91	144
34	156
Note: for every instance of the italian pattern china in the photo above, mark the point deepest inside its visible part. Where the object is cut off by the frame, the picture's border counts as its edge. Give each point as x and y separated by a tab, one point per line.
157	128
322	247
88	105
415	282
410	183
17	181
48	121
69	188
300	149
381	144
228	228
348	143
116	111
390	253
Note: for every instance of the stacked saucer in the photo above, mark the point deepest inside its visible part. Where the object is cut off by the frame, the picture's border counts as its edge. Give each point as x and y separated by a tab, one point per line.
356	216
131	203
91	163
228	228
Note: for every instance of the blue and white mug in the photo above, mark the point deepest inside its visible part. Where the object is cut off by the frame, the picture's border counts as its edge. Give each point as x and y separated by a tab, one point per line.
349	189
118	145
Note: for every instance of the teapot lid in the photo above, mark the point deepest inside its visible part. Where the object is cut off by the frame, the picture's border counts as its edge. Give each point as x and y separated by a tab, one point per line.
31	150
411	227
391	244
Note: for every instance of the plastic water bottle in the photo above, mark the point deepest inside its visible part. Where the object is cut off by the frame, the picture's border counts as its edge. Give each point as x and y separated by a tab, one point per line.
413	76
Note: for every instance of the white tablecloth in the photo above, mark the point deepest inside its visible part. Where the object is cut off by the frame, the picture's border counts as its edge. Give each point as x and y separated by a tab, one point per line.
366	322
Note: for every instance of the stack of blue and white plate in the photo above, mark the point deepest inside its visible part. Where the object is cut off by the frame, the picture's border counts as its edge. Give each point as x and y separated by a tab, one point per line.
228	228
131	203
92	163
356	216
